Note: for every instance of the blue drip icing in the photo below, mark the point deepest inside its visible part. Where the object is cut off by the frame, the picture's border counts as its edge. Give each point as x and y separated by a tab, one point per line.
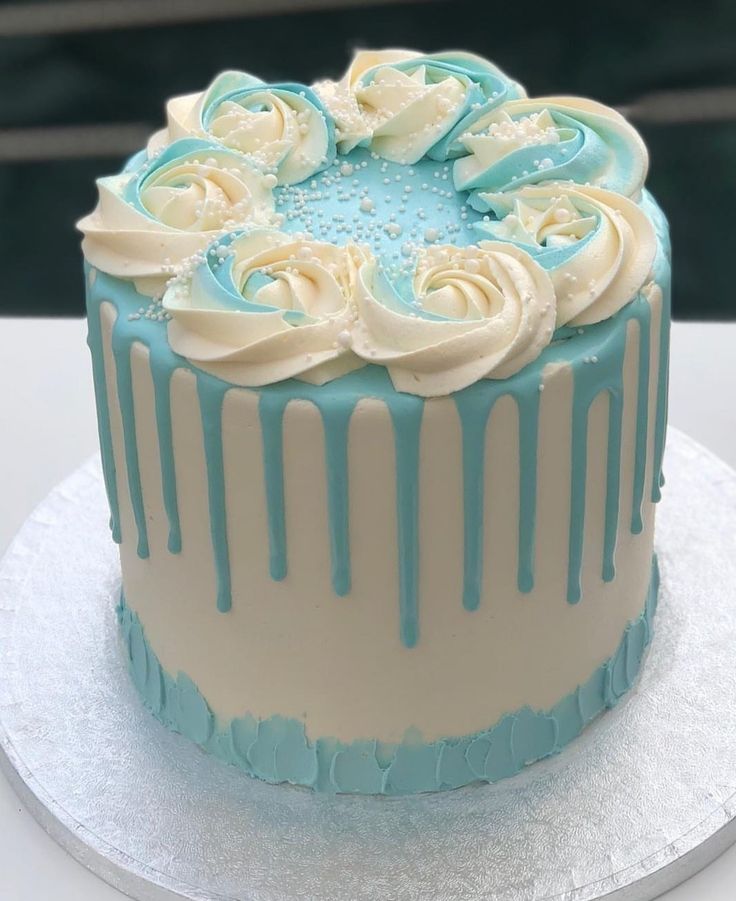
211	393
336	422
660	426
121	347
271	407
474	406
528	404
406	414
642	419
589	380
613	481
277	749
336	402
94	341
162	372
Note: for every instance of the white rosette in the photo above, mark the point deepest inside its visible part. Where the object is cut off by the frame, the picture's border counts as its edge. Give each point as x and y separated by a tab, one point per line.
405	105
597	246
281	128
148	222
528	141
353	123
267	307
477	312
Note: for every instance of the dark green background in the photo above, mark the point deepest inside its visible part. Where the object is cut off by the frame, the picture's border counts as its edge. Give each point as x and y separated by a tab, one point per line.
612	52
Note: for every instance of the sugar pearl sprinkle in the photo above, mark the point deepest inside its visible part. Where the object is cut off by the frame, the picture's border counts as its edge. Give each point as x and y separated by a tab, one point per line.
372	201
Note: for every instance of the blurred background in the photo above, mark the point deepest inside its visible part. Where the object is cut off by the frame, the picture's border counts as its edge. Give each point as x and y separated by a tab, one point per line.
83	82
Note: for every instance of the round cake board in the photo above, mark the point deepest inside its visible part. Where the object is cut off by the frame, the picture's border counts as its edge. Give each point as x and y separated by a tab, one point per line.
642	800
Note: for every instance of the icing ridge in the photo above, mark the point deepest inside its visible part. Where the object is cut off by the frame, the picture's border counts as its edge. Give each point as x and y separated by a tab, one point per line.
277	749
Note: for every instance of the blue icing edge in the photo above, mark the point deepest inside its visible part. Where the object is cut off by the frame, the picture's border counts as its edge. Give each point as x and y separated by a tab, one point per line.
277	749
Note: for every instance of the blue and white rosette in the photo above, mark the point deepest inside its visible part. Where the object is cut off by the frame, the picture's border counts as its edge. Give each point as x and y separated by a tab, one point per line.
563	240
597	246
550	139
405	106
262	306
281	128
148	221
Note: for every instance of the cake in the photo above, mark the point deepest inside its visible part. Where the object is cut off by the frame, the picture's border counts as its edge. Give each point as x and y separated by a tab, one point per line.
381	375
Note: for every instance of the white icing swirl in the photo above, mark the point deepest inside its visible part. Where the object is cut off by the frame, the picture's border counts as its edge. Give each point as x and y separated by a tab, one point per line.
478	312
597	246
404	105
148	222
352	121
281	128
267	307
551	139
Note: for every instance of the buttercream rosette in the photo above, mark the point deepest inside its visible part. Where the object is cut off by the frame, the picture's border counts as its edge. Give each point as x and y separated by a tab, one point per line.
263	306
597	246
282	128
483	311
405	105
551	139
149	220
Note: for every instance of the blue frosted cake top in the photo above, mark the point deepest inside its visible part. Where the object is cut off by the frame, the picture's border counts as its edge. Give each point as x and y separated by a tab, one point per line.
421	214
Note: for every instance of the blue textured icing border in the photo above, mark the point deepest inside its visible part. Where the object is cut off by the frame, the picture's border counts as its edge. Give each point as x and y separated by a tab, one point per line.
277	750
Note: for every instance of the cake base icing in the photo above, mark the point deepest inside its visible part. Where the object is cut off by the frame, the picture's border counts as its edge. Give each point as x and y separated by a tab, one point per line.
277	749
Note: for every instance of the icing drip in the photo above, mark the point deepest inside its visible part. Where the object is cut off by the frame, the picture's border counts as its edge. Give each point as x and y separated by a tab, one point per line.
607	376
162	399
336	422
406	414
642	419
594	354
94	342
660	426
121	348
271	410
211	395
277	749
474	406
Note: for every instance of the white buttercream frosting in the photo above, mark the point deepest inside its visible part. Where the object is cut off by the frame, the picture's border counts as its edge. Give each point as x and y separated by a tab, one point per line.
477	312
552	139
352	122
256	305
281	128
147	222
401	104
598	246
267	307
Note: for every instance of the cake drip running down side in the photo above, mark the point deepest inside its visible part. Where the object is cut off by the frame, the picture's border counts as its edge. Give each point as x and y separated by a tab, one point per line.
596	358
380	366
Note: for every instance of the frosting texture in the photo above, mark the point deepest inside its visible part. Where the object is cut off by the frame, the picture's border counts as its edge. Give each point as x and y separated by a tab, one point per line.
281	128
277	749
152	218
261	308
480	221
483	311
598	247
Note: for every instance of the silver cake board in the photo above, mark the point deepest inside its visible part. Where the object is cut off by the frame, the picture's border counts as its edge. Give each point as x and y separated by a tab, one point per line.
642	800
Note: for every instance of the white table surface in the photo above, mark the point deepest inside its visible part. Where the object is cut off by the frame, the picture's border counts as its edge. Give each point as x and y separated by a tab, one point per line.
47	428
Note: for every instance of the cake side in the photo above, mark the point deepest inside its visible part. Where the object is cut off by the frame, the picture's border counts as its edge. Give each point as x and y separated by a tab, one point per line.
386	513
